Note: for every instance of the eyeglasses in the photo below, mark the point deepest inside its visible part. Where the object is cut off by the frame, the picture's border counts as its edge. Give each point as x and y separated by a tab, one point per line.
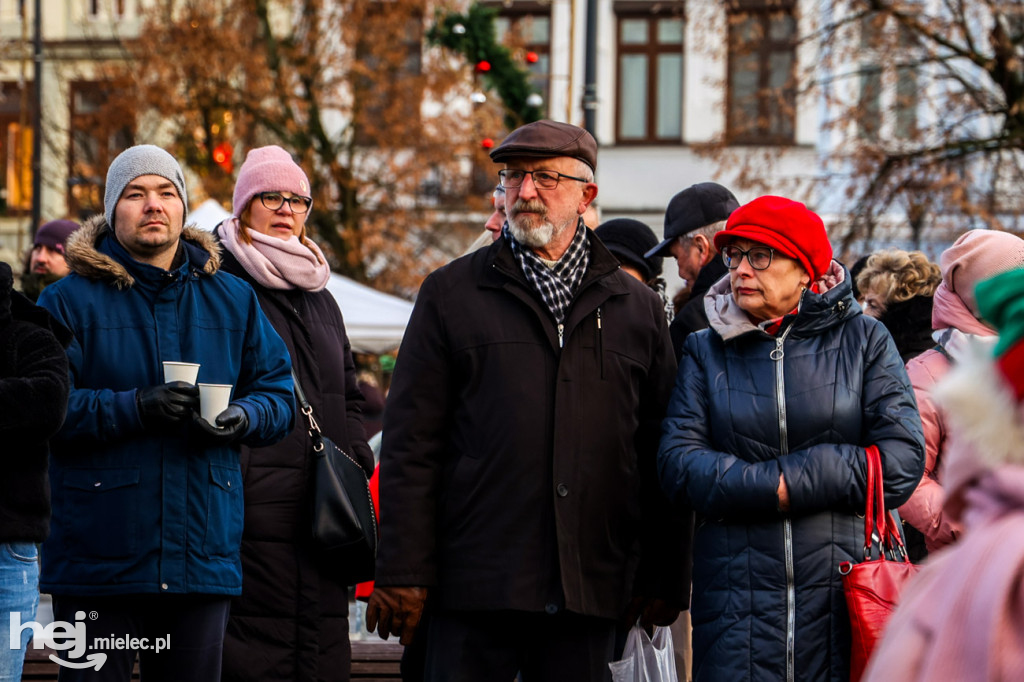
274	200
759	257
544	179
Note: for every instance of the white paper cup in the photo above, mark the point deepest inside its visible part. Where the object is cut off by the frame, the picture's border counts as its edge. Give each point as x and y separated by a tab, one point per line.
213	399
181	371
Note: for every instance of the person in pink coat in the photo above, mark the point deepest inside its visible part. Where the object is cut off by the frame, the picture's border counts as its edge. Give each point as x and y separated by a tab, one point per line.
962	616
974	256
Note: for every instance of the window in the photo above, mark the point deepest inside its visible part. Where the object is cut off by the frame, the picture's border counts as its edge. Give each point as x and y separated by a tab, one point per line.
16	114
869	104
649	93
888	89
390	90
100	8
528	34
100	131
762	61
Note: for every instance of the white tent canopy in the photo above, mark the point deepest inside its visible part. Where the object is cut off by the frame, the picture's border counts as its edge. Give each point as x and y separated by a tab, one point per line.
375	321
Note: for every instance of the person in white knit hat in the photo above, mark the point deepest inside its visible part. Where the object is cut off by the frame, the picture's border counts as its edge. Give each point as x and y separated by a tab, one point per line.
147	495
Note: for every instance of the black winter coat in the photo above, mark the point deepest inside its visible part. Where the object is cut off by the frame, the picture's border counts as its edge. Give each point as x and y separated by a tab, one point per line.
33	401
691	316
517	472
748	406
291	622
910	323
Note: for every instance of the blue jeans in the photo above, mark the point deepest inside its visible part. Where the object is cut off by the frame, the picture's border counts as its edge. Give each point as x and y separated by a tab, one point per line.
19	593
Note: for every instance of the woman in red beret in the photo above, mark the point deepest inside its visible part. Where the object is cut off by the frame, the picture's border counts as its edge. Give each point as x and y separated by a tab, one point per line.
765	435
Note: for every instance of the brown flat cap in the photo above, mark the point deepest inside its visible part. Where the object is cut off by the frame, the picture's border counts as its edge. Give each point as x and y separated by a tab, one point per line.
548	139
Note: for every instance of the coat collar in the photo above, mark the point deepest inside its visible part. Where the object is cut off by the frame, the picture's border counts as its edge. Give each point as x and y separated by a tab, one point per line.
500	264
87	260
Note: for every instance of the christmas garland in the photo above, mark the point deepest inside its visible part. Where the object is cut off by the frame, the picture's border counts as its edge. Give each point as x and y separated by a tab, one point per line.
472	36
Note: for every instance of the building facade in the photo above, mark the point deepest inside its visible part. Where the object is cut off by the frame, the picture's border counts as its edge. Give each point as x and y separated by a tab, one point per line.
686	91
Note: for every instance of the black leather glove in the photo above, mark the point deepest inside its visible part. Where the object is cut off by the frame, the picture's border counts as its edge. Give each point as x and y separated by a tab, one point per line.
231	426
166	405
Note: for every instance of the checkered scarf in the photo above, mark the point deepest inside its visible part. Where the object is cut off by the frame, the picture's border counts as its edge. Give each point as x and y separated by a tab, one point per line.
558	284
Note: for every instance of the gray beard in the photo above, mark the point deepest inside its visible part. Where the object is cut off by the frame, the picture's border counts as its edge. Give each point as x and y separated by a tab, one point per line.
536	238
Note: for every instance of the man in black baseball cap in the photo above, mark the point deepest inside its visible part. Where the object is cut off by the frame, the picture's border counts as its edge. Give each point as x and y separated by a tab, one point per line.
692	218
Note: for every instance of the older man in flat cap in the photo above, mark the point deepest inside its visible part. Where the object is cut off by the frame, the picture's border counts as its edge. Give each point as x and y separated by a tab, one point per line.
519	496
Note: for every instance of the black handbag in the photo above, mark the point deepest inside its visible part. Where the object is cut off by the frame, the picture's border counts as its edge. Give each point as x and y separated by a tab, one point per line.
344	520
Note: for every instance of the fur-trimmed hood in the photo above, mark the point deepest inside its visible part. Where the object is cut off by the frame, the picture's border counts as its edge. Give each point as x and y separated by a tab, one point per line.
85	259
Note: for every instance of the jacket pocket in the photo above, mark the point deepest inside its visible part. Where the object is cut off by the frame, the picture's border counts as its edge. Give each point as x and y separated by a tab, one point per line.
103	513
224	512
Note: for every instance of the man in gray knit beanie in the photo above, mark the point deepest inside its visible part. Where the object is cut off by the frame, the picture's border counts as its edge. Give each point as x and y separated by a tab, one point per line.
160	557
134	162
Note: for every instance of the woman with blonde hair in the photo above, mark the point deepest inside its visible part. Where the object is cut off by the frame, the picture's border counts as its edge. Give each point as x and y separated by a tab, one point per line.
957	323
291	622
896	287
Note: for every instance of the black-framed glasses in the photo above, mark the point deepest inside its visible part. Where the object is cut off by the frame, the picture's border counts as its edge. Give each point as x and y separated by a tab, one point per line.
510	178
274	200
759	257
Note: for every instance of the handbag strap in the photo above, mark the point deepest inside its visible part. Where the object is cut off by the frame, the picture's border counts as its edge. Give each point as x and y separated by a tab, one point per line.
879	524
307	410
869	508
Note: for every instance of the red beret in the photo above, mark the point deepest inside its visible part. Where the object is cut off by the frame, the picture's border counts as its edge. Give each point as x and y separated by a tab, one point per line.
785	225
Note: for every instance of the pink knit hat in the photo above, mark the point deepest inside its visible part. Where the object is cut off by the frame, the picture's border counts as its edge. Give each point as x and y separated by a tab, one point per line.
268	169
978	255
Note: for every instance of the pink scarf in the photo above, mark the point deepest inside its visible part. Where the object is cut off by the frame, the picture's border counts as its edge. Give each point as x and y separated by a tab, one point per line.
962	617
277	263
948	310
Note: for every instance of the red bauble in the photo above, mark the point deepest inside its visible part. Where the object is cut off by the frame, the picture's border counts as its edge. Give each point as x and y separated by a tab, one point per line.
487	143
531	57
483	65
222	156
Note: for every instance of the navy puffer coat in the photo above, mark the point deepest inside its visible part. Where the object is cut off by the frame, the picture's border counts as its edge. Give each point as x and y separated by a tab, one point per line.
767	598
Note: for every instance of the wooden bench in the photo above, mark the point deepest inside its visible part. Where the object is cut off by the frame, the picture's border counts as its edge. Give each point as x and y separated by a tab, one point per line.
372	661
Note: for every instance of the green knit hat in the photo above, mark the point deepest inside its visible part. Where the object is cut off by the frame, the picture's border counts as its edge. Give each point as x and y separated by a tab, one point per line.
1001	304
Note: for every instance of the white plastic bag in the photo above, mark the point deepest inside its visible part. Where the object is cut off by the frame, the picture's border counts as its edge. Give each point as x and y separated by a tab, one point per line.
646	659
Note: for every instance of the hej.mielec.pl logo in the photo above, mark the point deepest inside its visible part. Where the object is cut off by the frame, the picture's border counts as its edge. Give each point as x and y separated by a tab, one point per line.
61	635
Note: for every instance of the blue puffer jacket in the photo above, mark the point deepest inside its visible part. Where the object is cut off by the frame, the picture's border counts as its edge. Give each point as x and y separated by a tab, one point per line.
136	511
767	598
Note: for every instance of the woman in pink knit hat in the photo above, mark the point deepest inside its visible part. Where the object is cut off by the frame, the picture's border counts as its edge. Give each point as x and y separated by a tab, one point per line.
291	622
962	617
974	256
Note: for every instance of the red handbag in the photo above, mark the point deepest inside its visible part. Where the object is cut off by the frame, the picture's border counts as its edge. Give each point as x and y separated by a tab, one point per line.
873	587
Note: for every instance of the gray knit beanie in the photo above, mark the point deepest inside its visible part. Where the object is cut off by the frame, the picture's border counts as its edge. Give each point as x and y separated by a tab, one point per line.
134	162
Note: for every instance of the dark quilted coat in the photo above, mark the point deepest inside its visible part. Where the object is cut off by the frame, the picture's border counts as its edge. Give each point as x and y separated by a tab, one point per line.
726	439
33	398
291	622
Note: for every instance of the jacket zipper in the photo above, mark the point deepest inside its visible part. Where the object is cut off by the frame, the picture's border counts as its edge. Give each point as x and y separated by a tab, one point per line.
780	395
585	284
600	342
